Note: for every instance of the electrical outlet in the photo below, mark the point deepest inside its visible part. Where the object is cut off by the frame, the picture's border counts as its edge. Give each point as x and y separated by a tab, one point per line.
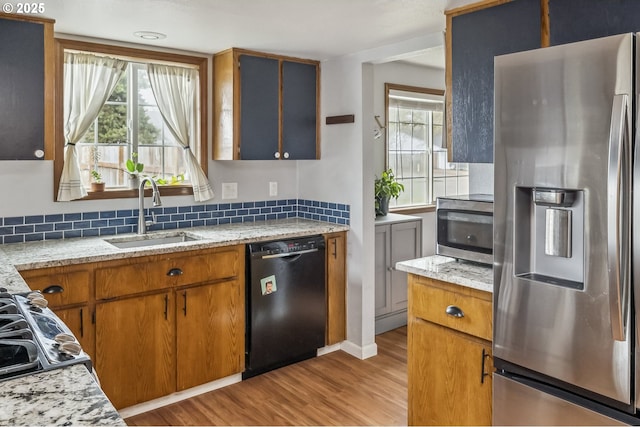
273	189
229	190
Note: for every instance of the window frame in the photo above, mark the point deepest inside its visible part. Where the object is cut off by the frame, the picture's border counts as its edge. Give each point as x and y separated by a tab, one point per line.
133	54
414	209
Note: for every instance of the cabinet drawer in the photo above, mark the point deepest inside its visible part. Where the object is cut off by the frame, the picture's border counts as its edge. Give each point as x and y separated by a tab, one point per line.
203	268
130	279
432	302
145	276
62	289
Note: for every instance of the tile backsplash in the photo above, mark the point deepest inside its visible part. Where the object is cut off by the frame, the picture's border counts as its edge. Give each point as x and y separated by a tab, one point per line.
20	229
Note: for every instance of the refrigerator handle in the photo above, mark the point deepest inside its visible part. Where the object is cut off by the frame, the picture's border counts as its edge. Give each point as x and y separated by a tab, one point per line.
617	217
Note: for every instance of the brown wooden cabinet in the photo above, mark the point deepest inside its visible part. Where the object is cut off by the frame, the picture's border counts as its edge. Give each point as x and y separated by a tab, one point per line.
266	106
135	345
169	322
336	247
68	291
449	354
209	332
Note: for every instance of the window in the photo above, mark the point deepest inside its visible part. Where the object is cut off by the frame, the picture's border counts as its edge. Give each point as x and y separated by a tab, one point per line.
130	122
130	125
416	149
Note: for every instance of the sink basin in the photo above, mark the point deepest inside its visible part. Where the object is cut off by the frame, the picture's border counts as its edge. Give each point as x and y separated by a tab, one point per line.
149	240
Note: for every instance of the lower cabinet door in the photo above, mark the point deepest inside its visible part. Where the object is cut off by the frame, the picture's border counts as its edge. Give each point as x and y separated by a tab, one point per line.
336	292
210	332
449	376
78	319
135	340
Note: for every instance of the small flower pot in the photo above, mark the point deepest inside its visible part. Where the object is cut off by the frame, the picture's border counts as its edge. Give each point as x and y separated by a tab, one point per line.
134	181
97	186
382	208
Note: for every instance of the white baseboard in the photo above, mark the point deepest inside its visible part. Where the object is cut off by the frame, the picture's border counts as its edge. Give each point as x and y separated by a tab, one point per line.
360	352
328	349
178	396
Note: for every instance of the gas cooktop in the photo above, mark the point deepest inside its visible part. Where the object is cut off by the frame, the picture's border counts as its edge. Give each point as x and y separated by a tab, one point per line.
33	338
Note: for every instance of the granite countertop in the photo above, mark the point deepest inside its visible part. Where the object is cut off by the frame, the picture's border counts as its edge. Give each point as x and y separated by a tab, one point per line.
392	218
53	253
464	273
67	396
70	396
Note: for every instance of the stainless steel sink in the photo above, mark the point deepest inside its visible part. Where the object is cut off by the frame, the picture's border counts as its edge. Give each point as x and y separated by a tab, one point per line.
149	240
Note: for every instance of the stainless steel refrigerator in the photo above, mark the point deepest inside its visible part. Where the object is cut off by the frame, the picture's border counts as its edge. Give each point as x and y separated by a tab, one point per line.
564	315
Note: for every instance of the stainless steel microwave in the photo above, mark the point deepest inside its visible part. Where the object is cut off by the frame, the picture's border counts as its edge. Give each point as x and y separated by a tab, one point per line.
465	227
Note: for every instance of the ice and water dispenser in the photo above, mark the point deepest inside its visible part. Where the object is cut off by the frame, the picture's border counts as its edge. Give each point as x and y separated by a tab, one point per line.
549	236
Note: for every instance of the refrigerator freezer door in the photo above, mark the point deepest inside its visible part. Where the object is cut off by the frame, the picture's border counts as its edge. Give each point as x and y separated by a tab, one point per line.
515	403
556	315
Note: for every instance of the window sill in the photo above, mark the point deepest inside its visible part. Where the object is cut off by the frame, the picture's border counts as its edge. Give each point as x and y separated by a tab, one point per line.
410	210
125	193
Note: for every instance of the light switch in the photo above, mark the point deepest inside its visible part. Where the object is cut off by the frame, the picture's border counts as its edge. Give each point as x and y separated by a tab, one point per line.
273	189
229	190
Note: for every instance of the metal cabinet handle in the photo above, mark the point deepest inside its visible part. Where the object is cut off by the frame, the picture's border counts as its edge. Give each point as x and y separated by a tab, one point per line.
53	289
81	323
454	311
184	307
485	354
286	155
335	248
174	272
276	155
166	307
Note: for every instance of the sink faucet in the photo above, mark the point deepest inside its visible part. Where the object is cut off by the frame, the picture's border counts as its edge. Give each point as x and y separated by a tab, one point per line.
142	222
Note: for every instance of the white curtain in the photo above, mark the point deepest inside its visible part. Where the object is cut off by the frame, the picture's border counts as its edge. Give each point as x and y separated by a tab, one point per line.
88	82
176	90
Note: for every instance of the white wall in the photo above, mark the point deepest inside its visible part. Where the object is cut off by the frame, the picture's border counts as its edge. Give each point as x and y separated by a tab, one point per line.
347	170
27	187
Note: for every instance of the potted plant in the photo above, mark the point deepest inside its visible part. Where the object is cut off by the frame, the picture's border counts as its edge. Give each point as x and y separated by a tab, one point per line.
96	184
386	187
134	169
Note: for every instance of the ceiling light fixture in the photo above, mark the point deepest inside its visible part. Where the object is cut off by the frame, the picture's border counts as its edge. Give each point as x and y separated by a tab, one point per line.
150	35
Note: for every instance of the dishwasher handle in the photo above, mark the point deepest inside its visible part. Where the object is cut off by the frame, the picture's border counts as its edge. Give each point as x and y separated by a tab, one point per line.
289	254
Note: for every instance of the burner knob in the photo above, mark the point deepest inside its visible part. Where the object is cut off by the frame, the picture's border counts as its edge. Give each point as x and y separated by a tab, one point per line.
32	295
62	338
39	302
71	348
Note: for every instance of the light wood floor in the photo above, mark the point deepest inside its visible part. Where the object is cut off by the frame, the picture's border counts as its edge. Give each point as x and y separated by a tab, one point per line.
334	389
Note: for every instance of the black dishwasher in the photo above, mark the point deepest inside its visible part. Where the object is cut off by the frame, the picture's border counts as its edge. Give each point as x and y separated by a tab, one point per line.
286	303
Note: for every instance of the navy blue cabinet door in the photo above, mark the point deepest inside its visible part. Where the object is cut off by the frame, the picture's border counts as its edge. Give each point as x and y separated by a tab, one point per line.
299	110
259	107
577	20
477	37
21	90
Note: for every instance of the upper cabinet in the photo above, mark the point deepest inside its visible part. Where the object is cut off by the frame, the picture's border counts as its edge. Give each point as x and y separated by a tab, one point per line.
572	21
479	31
266	107
26	88
475	34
